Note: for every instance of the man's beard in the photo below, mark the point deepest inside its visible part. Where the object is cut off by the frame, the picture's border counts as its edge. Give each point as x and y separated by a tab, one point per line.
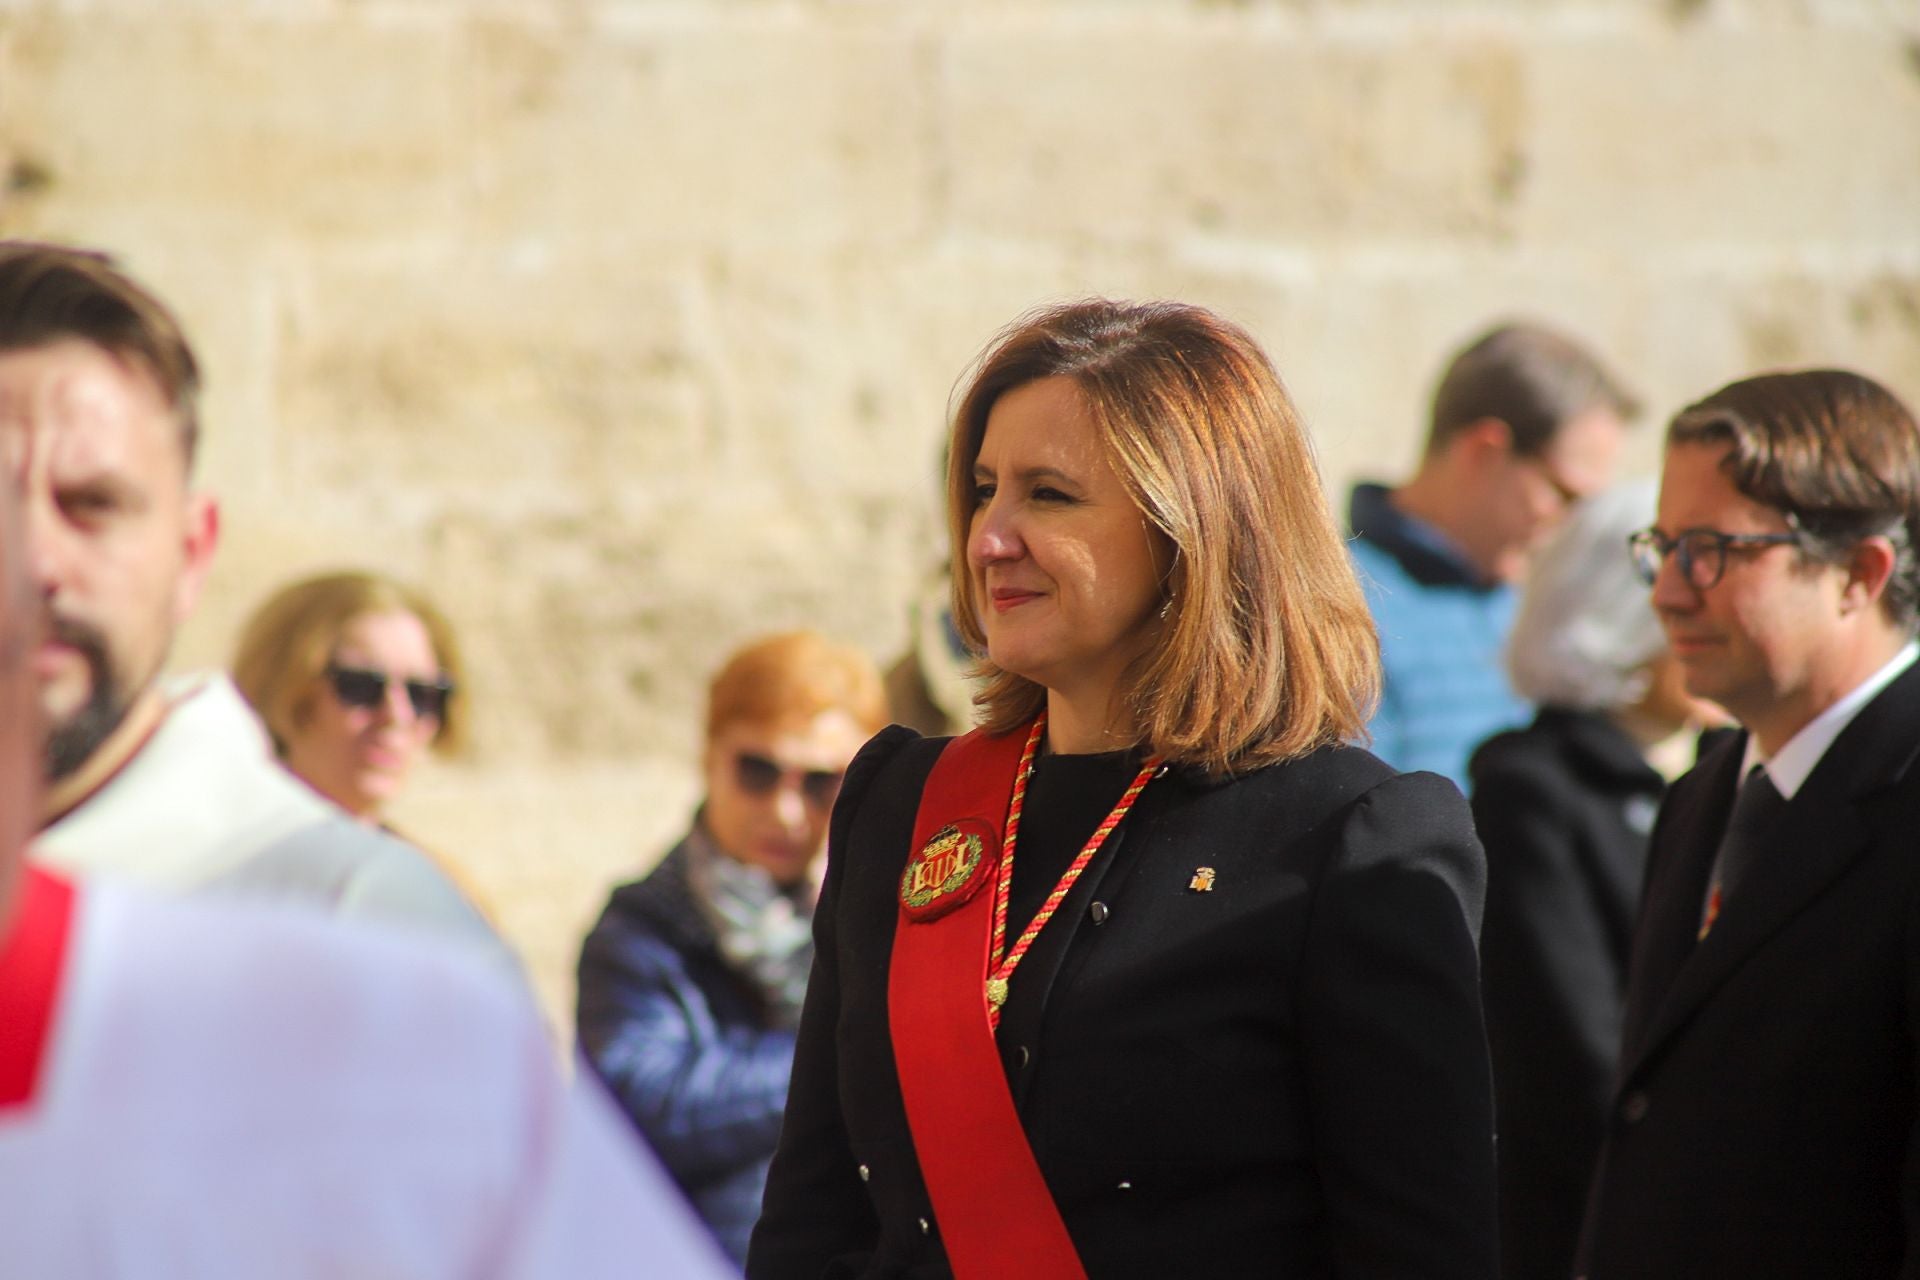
72	742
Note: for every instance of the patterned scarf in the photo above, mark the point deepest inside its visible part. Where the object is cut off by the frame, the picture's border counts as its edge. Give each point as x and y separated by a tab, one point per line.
764	931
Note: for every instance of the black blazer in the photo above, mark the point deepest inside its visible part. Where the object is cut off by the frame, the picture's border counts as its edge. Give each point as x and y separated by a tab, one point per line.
1764	1120
1564	808
1284	1076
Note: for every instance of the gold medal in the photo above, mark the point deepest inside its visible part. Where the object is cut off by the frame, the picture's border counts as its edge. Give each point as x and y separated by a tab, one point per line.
954	865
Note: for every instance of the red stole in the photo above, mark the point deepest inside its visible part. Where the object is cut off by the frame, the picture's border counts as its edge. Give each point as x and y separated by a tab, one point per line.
31	951
997	1218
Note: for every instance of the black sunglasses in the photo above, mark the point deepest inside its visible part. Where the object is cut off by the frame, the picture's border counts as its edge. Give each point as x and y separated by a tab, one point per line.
759	776
367	689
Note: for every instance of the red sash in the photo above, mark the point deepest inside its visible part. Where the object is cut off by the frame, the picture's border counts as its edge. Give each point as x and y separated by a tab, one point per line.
996	1216
31	950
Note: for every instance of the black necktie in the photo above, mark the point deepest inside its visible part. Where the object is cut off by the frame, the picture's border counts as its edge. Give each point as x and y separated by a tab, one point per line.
1756	811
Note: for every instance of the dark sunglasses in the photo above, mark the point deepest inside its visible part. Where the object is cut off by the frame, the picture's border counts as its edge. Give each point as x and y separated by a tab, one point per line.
367	689
759	776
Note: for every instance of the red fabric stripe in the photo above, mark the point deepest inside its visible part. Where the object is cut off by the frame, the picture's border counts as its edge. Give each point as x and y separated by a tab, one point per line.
996	1215
31	958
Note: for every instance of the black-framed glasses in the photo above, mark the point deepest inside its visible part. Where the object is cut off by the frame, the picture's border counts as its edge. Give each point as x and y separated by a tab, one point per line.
366	688
1702	553
1565	493
759	776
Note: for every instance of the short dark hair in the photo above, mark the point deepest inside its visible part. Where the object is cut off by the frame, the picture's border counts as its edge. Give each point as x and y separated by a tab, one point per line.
1534	379
1835	452
50	292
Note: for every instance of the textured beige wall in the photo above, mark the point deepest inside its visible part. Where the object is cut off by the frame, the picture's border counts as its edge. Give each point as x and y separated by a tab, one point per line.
627	327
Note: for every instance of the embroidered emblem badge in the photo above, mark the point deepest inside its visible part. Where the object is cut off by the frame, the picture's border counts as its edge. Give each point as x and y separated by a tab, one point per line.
948	870
1202	881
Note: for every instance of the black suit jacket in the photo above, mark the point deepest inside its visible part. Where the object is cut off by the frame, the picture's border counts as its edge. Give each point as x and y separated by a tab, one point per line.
1564	808
1284	1076
1764	1120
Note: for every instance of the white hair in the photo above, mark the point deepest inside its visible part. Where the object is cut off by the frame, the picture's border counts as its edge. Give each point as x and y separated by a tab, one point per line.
1586	629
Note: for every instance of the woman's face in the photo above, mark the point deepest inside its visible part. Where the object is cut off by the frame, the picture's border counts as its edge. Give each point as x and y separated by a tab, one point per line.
770	789
359	756
1066	570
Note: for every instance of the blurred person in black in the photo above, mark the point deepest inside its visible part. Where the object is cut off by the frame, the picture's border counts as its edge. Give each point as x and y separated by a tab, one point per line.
1564	807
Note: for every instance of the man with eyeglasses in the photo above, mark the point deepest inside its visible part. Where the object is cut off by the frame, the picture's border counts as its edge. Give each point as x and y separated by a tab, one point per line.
1767	1109
169	783
1525	423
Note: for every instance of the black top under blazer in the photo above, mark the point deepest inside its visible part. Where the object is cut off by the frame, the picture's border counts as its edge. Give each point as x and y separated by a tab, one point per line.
1286	1075
1764	1119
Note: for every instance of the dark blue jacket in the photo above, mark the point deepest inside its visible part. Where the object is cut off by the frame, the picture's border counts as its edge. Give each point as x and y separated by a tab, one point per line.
682	1040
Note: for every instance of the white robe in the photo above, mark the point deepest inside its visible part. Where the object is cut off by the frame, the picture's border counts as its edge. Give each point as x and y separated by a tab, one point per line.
247	1091
204	805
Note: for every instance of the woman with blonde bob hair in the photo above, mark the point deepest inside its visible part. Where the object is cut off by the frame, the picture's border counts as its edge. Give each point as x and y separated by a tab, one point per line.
1153	973
356	677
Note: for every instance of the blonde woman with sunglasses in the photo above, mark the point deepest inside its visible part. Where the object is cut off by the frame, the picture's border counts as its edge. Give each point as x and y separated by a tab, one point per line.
357	677
691	982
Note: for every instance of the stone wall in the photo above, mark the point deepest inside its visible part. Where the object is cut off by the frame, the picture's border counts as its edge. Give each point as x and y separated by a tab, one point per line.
627	328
